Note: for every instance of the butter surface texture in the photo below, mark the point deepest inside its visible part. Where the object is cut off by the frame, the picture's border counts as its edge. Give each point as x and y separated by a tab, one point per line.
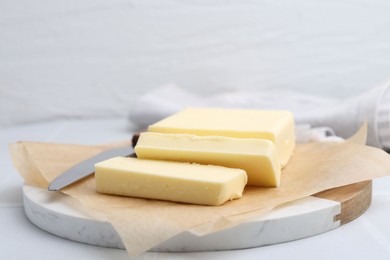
274	125
258	157
172	181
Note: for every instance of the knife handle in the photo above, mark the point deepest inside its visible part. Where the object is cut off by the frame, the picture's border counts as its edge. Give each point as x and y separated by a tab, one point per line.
135	137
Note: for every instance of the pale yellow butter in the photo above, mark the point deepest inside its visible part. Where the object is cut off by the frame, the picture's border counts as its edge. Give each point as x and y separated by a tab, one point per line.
258	157
276	126
172	181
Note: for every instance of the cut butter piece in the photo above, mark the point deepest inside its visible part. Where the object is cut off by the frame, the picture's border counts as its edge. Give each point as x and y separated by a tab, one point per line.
172	181
274	125
258	157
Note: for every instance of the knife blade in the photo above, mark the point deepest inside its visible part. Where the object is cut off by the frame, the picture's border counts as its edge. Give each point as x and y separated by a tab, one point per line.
87	167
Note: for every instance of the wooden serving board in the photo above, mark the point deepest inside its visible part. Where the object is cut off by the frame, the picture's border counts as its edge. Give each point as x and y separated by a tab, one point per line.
61	215
354	200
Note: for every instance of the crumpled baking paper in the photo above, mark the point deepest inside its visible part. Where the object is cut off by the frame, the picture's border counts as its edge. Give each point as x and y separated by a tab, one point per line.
143	224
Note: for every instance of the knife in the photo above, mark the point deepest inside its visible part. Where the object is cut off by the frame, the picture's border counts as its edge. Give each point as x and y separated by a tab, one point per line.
87	167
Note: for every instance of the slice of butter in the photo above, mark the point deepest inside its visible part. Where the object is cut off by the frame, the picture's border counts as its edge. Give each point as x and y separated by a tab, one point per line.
274	125
172	181
258	157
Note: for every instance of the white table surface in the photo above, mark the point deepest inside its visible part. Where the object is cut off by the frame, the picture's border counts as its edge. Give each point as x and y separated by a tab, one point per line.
368	237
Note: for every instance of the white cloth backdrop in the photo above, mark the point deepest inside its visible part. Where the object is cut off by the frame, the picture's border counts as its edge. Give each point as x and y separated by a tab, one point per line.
94	58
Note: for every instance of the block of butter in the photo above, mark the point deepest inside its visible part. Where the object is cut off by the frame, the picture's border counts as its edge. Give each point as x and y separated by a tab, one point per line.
258	157
274	125
172	181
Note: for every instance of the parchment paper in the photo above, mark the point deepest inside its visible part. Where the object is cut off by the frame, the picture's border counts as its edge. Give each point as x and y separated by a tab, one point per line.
143	224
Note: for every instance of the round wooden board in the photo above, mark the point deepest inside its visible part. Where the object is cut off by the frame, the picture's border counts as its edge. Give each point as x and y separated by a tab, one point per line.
354	199
61	215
